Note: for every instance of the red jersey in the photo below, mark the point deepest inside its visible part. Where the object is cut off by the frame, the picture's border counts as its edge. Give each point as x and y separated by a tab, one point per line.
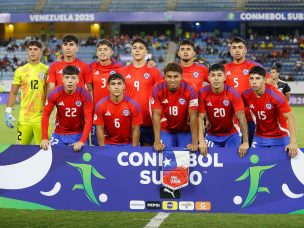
174	105
267	111
139	84
117	119
55	72
220	109
74	112
196	74
100	75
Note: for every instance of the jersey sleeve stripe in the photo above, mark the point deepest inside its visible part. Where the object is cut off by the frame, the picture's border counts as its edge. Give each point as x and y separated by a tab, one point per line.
100	102
274	95
137	106
55	90
234	92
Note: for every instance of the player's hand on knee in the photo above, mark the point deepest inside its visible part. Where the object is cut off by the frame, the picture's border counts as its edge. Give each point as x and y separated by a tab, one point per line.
9	119
158	146
192	147
203	148
77	146
292	150
243	149
45	143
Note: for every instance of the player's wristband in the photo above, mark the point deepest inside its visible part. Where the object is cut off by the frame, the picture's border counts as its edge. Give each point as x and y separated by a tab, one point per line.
8	109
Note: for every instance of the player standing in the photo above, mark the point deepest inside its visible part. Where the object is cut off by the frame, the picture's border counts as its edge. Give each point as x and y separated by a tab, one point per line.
69	49
74	112
31	80
282	85
176	101
140	78
267	104
221	103
117	116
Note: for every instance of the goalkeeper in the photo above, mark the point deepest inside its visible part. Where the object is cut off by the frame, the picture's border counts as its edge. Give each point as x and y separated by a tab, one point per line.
31	80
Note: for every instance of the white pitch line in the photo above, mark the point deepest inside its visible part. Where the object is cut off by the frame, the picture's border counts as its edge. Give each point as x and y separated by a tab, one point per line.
157	220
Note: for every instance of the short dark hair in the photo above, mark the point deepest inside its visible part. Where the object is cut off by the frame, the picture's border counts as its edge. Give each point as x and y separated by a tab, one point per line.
36	43
187	42
70	38
173	66
276	68
140	40
70	70
258	70
116	76
237	39
216	67
104	42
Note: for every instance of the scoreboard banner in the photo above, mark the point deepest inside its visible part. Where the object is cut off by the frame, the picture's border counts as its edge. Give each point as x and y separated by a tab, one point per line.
125	178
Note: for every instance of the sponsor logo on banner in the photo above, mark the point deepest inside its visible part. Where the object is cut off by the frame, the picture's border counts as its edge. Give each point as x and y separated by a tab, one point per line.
170	205
153	205
137	204
186	205
202	206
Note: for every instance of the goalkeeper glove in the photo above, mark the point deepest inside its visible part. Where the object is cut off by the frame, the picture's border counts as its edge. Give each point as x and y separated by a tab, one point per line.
9	117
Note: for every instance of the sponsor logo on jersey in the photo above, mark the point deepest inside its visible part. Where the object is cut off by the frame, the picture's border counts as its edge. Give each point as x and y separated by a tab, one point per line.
41	75
112	72
128	76
182	101
108	113
195	74
228	72
96	72
170	205
153	205
209	104
165	101
146	75
251	106
126	112
61	103
78	103
59	72
137	204
186	205
226	102
245	72
202	206
268	106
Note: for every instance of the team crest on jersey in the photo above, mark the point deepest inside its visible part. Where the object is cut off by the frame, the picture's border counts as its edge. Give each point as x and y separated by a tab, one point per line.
146	75
182	101
41	75
126	112
245	71
195	74
226	102
78	103
112	72
152	100
268	106
95	117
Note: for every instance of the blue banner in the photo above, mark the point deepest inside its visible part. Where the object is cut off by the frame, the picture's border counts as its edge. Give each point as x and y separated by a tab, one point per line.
123	178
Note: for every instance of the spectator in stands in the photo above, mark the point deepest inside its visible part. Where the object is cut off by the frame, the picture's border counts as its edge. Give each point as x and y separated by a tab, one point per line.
174	111
117	116
31	80
282	85
298	65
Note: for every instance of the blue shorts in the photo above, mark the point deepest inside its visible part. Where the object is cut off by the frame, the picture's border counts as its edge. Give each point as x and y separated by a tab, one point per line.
146	136
58	139
228	141
94	140
275	143
251	131
181	139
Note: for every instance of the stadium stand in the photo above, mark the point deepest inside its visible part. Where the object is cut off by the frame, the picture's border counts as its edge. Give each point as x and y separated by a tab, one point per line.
259	5
72	6
138	5
205	5
17	6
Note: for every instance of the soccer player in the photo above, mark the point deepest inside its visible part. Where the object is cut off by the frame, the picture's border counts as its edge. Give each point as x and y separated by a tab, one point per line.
176	101
237	73
74	112
192	72
117	116
221	103
31	80
282	85
140	78
69	49
267	104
